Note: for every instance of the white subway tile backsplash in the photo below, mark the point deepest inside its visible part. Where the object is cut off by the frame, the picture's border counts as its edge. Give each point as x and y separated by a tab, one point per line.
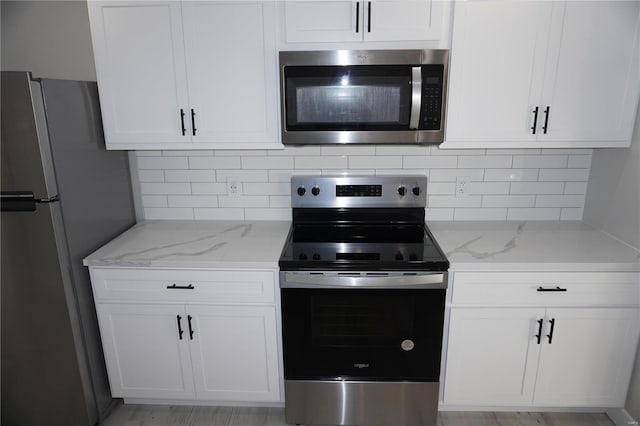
537	187
564	175
560	200
571	213
438	213
162	163
318	162
453	201
430	162
208	188
484	162
193	201
506	184
244	201
154	201
267	163
533	214
375	162
450	175
190	175
480	214
168	213
539	161
214	163
508	200
481	188
218	214
513	175
579	161
164	188
151	175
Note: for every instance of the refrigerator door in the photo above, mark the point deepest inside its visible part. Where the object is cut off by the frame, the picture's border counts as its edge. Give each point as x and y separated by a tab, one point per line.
41	378
96	202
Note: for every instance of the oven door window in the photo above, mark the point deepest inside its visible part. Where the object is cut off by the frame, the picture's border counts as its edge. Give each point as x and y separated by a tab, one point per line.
347	97
362	334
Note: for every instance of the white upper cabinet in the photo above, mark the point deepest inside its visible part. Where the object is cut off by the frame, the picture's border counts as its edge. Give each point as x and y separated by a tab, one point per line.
187	75
141	72
543	74
352	21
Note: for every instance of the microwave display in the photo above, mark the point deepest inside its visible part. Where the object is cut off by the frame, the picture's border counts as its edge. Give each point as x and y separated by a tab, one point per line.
363	96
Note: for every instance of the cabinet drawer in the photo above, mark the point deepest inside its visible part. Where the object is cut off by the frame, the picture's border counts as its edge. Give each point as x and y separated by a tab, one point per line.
546	288
169	285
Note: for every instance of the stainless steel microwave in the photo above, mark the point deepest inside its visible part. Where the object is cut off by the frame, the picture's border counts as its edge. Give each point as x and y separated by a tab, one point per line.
363	96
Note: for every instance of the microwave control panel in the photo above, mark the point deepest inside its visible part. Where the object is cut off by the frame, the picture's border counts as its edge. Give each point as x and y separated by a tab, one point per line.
431	108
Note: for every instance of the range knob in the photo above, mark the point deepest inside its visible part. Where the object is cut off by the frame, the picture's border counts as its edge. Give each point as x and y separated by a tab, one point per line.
301	191
315	190
316	256
399	256
402	190
416	190
303	256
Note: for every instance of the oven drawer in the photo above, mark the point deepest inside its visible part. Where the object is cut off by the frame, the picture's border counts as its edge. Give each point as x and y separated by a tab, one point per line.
169	285
546	288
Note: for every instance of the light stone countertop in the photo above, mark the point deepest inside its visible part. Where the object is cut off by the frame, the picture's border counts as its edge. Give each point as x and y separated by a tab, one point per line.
532	246
195	244
515	246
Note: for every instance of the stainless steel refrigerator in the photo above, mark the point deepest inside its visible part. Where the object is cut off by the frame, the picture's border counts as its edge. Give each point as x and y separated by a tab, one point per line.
63	196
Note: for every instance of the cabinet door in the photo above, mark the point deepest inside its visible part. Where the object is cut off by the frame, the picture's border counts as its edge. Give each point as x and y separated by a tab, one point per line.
139	55
492	356
143	351
234	353
403	20
323	21
232	72
593	78
496	70
590	358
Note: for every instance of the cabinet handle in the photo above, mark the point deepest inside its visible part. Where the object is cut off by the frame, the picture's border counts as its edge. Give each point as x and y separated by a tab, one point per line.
546	120
552	321
557	288
539	335
193	121
181	287
180	331
184	129
357	17
369	17
535	120
189	317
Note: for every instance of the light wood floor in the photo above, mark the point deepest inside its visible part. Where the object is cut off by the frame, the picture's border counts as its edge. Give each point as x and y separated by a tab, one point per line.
165	415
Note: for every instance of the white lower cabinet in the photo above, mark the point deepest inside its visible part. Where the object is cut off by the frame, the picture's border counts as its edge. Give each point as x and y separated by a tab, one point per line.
173	347
565	354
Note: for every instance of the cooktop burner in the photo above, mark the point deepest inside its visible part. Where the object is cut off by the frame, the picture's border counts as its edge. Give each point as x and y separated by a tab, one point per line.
360	223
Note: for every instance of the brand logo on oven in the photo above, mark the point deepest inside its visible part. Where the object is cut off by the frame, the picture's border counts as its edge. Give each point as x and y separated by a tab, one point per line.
361	365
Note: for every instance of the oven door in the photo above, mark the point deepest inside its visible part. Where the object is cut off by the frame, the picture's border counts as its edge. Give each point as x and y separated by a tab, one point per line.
351	333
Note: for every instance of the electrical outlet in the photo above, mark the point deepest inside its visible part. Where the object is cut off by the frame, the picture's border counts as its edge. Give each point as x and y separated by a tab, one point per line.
234	188
462	186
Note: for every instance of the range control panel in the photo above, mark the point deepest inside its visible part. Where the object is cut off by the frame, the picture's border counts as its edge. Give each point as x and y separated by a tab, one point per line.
358	191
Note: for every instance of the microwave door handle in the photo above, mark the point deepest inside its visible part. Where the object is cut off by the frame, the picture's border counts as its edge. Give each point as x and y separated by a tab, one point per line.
416	97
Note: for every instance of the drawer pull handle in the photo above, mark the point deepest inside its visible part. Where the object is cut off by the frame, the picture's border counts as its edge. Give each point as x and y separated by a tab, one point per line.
181	287
535	120
539	335
557	288
180	331
189	317
552	321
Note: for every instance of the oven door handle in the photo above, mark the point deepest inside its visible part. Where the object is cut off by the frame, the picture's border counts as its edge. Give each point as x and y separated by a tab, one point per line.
416	97
305	280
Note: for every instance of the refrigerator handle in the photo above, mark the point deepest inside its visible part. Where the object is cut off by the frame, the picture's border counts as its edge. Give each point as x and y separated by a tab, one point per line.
22	201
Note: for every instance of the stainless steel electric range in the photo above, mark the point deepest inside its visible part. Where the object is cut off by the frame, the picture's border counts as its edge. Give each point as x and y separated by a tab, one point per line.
363	287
